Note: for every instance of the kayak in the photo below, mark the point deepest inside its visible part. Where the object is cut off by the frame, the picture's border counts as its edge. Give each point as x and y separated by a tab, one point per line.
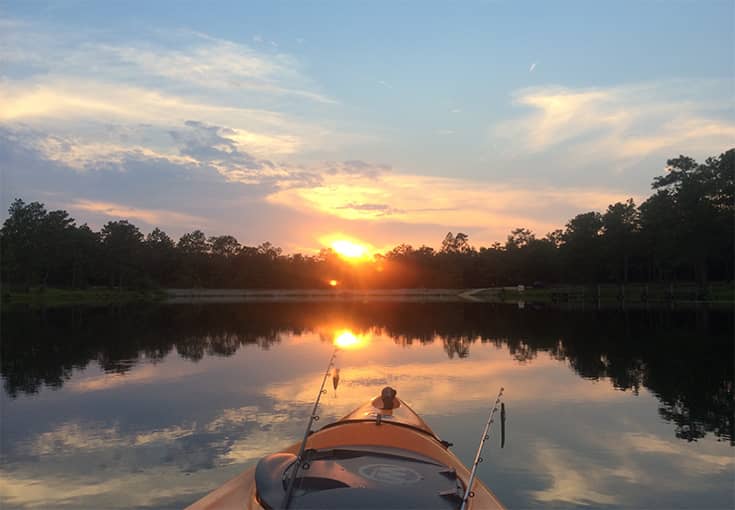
382	455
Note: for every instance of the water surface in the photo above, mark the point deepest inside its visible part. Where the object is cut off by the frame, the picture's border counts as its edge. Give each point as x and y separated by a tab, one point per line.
153	407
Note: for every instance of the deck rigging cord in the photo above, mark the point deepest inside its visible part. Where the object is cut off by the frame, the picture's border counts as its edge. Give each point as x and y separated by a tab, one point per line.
485	436
314	417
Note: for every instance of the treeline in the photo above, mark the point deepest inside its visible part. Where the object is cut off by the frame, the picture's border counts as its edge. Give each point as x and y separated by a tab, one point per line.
683	232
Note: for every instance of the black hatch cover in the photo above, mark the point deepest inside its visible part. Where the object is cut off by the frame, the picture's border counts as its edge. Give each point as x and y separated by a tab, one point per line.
354	478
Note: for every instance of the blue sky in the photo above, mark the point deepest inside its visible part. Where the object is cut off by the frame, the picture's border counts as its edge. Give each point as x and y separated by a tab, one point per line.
299	122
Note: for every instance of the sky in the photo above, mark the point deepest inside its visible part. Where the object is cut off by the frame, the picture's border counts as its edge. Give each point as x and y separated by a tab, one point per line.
299	123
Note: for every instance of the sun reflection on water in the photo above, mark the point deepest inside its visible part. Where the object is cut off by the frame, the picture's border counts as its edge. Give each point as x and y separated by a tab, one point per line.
346	339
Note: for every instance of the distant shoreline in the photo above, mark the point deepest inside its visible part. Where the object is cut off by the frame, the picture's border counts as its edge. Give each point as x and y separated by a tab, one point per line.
719	292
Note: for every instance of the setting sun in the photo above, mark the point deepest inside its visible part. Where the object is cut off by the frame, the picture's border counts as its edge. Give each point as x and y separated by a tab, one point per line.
349	249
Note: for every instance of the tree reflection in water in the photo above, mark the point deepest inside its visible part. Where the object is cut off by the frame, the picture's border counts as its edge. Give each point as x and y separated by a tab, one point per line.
684	357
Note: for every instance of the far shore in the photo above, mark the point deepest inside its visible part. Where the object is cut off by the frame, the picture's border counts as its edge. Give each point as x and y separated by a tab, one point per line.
638	294
247	295
630	294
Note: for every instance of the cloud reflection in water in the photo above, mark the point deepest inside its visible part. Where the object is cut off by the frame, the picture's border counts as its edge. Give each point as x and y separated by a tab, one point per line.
159	430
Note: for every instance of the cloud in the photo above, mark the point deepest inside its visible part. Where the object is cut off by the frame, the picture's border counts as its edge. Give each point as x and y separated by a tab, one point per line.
149	216
226	150
569	483
161	131
612	476
621	123
143	374
220	147
57	82
71	107
299	201
181	58
532	68
379	208
495	208
357	168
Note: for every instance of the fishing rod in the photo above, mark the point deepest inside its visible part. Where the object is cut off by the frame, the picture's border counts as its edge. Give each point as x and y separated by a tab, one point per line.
314	417
485	436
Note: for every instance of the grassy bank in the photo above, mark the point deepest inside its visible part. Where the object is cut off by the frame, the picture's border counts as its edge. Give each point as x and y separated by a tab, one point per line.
632	293
96	296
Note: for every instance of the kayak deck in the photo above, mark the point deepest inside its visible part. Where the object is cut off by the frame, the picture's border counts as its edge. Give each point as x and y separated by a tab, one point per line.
361	461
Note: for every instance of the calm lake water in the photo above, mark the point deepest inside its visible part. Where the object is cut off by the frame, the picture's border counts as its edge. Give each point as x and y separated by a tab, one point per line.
153	407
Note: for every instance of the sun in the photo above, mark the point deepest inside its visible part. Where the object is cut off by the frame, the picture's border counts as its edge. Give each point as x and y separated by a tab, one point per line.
347	247
350	249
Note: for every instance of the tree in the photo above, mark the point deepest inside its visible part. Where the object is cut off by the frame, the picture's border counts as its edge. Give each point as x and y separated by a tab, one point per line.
193	250
159	239
658	226
22	260
57	247
555	237
224	246
619	227
703	194
122	242
684	230
223	249
160	256
519	238
87	256
456	244
582	246
270	251
193	243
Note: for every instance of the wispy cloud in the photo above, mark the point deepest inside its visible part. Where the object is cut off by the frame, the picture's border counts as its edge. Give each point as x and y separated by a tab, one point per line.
211	180
181	58
619	123
70	105
57	82
150	216
495	208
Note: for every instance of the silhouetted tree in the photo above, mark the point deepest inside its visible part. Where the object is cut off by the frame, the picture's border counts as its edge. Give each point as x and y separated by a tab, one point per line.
581	246
193	250
122	243
684	231
160	257
22	259
620	226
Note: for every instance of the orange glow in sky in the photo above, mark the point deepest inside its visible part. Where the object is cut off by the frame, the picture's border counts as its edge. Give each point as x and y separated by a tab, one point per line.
346	339
349	249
